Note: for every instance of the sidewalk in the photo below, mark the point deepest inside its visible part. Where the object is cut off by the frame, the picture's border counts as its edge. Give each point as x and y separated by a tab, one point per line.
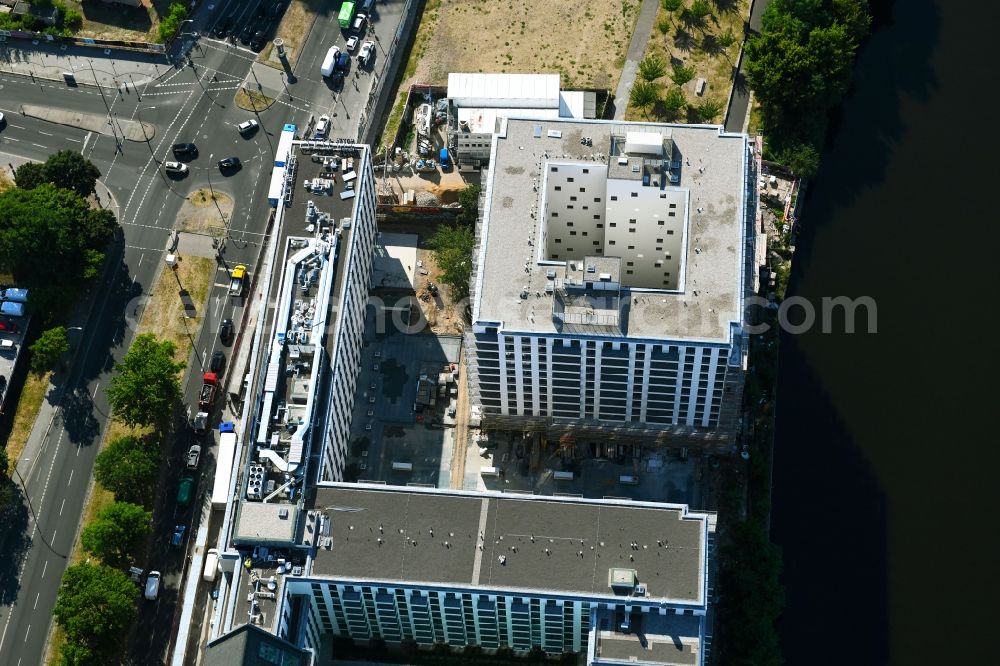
640	37
77	320
89	66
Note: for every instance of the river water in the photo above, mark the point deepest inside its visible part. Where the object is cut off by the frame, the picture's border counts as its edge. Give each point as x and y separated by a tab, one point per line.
887	460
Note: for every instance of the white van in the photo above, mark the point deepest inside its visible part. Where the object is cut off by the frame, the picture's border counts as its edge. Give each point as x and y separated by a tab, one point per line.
211	564
329	61
153	585
8	348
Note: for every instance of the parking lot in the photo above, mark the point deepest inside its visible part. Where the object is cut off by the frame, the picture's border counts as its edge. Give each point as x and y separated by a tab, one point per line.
386	428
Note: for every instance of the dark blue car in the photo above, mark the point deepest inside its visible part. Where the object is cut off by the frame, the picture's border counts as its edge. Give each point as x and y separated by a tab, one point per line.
343	61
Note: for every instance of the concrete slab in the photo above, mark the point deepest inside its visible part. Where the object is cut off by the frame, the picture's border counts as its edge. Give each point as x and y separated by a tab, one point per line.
131	130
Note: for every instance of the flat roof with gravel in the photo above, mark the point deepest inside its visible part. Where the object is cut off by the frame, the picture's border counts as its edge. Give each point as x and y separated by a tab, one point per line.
512	271
553	544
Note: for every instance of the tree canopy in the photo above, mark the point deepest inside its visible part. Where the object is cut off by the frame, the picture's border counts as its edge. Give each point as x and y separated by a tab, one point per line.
651	68
469	200
128	467
47	349
50	237
800	65
95	606
117	533
453	247
643	94
66	169
147	386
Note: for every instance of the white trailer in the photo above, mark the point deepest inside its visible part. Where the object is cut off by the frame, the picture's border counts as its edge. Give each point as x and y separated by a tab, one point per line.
224	460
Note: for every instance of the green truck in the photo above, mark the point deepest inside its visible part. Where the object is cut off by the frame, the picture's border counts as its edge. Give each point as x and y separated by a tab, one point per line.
346	14
184	491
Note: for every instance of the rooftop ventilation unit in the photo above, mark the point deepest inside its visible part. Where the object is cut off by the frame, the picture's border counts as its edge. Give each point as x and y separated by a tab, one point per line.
554	134
591	268
640	590
550	275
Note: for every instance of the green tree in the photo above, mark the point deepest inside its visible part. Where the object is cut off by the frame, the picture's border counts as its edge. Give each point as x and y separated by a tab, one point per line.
801	158
651	68
682	74
643	94
47	349
469	200
95	606
30	175
67	169
72	171
128	467
51	237
674	102
726	40
146	387
697	12
452	246
171	23
671	5
117	533
708	110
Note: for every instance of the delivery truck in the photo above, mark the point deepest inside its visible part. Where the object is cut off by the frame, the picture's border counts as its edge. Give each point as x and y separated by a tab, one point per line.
209	387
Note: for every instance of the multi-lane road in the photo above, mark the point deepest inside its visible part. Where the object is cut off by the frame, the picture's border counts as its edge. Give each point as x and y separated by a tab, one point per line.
191	102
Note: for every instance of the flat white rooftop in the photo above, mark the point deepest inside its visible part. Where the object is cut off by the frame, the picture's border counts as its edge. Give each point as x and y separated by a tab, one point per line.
513	264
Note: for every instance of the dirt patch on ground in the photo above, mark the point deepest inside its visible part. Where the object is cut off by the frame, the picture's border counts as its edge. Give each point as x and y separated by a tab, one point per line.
251	100
203	214
584	42
293	30
442	314
104	20
6	182
709	46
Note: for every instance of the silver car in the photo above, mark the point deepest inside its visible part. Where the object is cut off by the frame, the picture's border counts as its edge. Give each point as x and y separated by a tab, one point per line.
247	126
175	167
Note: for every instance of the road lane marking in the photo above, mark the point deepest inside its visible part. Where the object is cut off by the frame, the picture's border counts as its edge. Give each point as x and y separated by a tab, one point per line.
10	138
54	536
37	594
73	140
38	145
70	477
28	631
86	140
96	386
44	567
45	133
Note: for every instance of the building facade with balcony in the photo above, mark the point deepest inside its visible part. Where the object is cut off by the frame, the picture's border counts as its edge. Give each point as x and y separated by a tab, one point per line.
500	571
610	281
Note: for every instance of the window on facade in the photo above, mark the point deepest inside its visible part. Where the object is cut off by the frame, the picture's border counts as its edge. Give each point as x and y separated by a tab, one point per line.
635	194
597	199
673	205
628	272
595	242
569	224
611	242
554	169
660	222
569	180
658	248
586	170
631	247
631	220
572	198
558	188
555	214
659	240
558	240
613	224
555	256
614	197
599	226
569	206
572	233
631	231
584	233
670	232
583	189
672	214
630	263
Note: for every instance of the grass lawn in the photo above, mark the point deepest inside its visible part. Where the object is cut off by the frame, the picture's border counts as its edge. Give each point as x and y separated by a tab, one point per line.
702	46
28	404
293	30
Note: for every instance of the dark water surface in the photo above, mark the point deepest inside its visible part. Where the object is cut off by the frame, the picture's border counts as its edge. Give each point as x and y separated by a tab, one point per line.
888	448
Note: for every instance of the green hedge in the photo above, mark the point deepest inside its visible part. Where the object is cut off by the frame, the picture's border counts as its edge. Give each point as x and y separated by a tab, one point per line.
171	23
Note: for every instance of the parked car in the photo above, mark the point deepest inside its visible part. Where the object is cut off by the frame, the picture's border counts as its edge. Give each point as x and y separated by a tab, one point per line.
226	331
343	61
247	32
229	163
152	585
175	167
352	43
322	127
177	539
193	456
366	53
184	489
258	40
222	27
360	22
218	362
184	149
1	119
247	126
